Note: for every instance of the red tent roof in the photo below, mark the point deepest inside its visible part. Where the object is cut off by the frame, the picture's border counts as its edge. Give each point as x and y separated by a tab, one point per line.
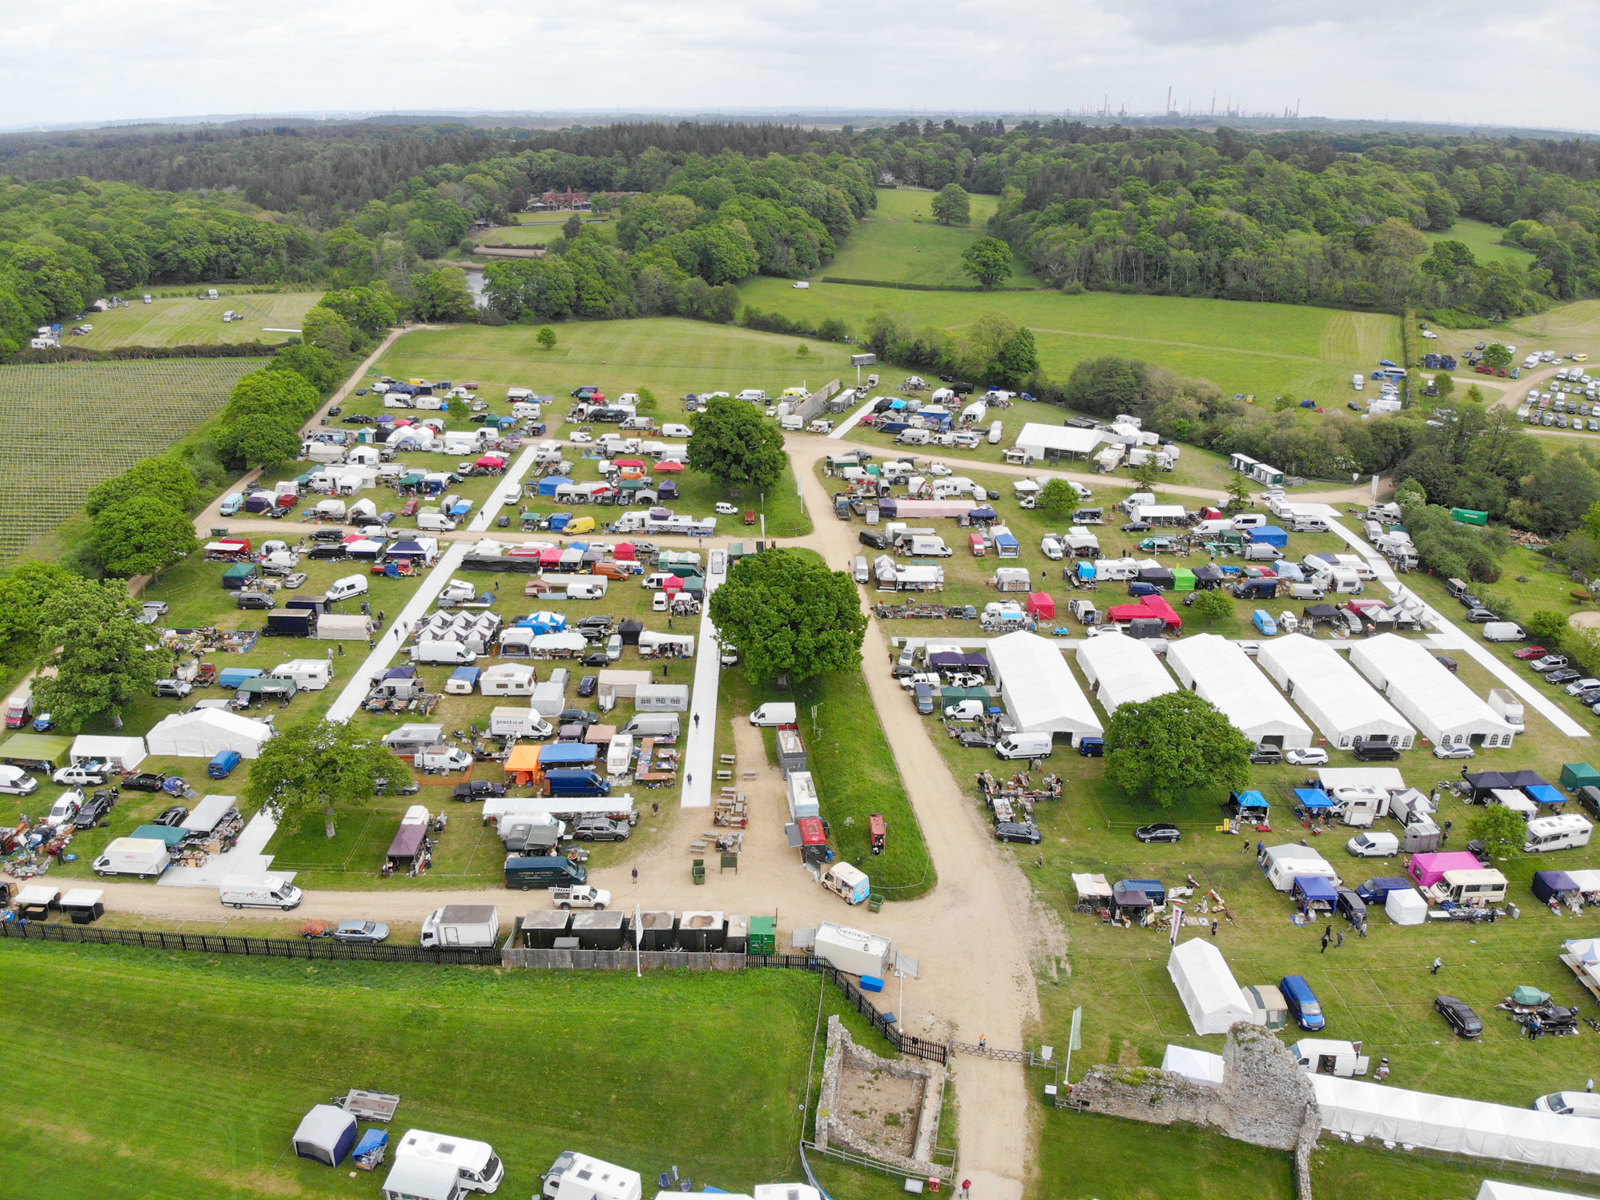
627	462
1148	606
673	584
1041	604
491	460
550	557
624	552
669	466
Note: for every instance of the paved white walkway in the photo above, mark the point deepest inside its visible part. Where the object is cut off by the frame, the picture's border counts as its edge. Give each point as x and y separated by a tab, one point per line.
850	422
1449	636
700	731
247	857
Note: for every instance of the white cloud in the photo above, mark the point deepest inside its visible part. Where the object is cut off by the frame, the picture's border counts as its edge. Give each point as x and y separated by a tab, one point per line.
1468	60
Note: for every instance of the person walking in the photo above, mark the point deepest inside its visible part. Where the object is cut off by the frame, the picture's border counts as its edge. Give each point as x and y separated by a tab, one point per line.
636	875
1327	936
1338	938
1590	1086
1213	929
1437	963
697	720
966	1189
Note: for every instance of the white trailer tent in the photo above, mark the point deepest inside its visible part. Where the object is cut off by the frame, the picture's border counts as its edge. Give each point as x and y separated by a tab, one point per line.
1353	1109
206	733
1057	441
1445	711
1038	688
1332	693
118	753
326	1133
1197	1066
1122	670
1206	986
1223	674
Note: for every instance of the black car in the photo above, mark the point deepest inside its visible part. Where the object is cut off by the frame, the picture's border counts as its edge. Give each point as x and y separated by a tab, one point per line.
1589	698
576	716
1459	1016
1563	676
1266	756
1375	750
144	781
993	493
975	738
172	817
597	622
95	810
601	829
1159	832
1018	831
1137	527
1468	600
595	658
587	684
405	786
478	789
584	392
1352	406
872	538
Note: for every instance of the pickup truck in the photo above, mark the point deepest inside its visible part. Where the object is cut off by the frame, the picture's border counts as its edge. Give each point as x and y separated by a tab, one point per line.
580	897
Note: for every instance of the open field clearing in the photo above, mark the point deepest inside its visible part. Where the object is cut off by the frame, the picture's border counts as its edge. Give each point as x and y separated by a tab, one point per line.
899	242
1484	241
1566	329
128	411
471	1052
1258	349
183	320
540	229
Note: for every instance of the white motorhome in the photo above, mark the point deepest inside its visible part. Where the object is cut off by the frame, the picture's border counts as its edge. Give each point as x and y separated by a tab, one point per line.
309	674
575	1176
1562	832
477	1167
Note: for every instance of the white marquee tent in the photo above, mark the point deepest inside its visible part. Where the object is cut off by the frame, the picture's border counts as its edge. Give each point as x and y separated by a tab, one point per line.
1331	692
1206	986
205	733
123	753
1223	674
1198	1066
1444	710
1039	689
1122	670
1522	1135
1048	441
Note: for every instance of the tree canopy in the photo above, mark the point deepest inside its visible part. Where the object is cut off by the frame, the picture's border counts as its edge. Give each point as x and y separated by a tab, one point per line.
1170	747
141	536
952	206
987	262
790	615
1501	830
318	768
103	660
736	445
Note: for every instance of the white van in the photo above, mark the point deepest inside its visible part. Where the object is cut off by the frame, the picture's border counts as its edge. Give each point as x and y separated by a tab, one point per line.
752	395
1503	631
774	712
863	571
477	1167
964	710
1024	745
931	547
653	725
1305	524
435	522
1561	832
348	588
1373	845
676	431
997	430
259	891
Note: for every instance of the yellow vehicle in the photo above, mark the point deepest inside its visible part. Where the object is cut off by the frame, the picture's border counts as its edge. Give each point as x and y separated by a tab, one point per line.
580	525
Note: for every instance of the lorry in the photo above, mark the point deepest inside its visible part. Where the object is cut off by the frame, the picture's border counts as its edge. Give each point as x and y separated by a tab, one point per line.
259	891
1023	745
581	896
144	857
464	926
774	712
19	706
477	1167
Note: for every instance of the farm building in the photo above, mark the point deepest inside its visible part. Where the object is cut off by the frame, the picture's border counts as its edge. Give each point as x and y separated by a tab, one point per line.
1224	675
1332	693
206	733
1057	441
1038	687
1444	710
1122	670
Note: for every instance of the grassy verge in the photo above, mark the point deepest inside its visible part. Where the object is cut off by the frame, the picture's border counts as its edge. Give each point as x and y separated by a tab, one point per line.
534	1063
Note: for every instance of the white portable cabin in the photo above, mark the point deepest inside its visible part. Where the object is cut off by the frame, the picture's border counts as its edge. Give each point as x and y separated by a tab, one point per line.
662	697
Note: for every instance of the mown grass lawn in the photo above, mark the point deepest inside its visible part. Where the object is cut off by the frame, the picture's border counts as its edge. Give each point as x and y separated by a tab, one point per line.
1258	349
899	242
1484	240
181	319
703	1070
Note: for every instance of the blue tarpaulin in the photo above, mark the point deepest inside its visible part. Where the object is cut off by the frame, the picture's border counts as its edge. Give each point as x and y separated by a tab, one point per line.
1269	534
1543	793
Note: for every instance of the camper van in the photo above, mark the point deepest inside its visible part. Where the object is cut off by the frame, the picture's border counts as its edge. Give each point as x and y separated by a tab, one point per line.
477	1167
1561	832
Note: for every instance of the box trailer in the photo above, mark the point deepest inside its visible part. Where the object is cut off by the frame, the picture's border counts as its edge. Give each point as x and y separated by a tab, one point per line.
853	950
461	925
144	857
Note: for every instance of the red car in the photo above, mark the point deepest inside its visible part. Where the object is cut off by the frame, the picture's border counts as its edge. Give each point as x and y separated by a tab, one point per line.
1530	652
749	517
410	509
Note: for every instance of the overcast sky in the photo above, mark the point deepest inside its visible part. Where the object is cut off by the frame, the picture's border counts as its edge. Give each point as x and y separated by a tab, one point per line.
1467	61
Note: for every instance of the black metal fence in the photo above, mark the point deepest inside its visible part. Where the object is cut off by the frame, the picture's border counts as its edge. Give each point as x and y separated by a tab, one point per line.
214	943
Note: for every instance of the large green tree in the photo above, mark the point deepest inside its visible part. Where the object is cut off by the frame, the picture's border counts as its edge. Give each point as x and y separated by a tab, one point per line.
1496	354
736	445
102	655
1058	496
1169	747
23	591
318	769
987	262
164	477
952	206
259	441
443	295
790	615
1502	831
141	536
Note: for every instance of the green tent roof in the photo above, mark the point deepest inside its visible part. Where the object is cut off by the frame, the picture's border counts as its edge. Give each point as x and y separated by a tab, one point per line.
44	747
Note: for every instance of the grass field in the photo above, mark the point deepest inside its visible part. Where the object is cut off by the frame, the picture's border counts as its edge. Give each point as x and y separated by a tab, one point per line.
126	411
1257	349
674	1068
899	242
1484	241
540	232
182	320
1566	329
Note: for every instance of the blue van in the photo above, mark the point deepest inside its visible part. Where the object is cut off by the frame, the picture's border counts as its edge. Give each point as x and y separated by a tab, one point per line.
231	504
1264	623
923	695
223	764
1303	1004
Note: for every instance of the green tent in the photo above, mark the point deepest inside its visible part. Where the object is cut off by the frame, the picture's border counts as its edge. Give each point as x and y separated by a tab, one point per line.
1182	579
161	833
412	480
1577	775
36	751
